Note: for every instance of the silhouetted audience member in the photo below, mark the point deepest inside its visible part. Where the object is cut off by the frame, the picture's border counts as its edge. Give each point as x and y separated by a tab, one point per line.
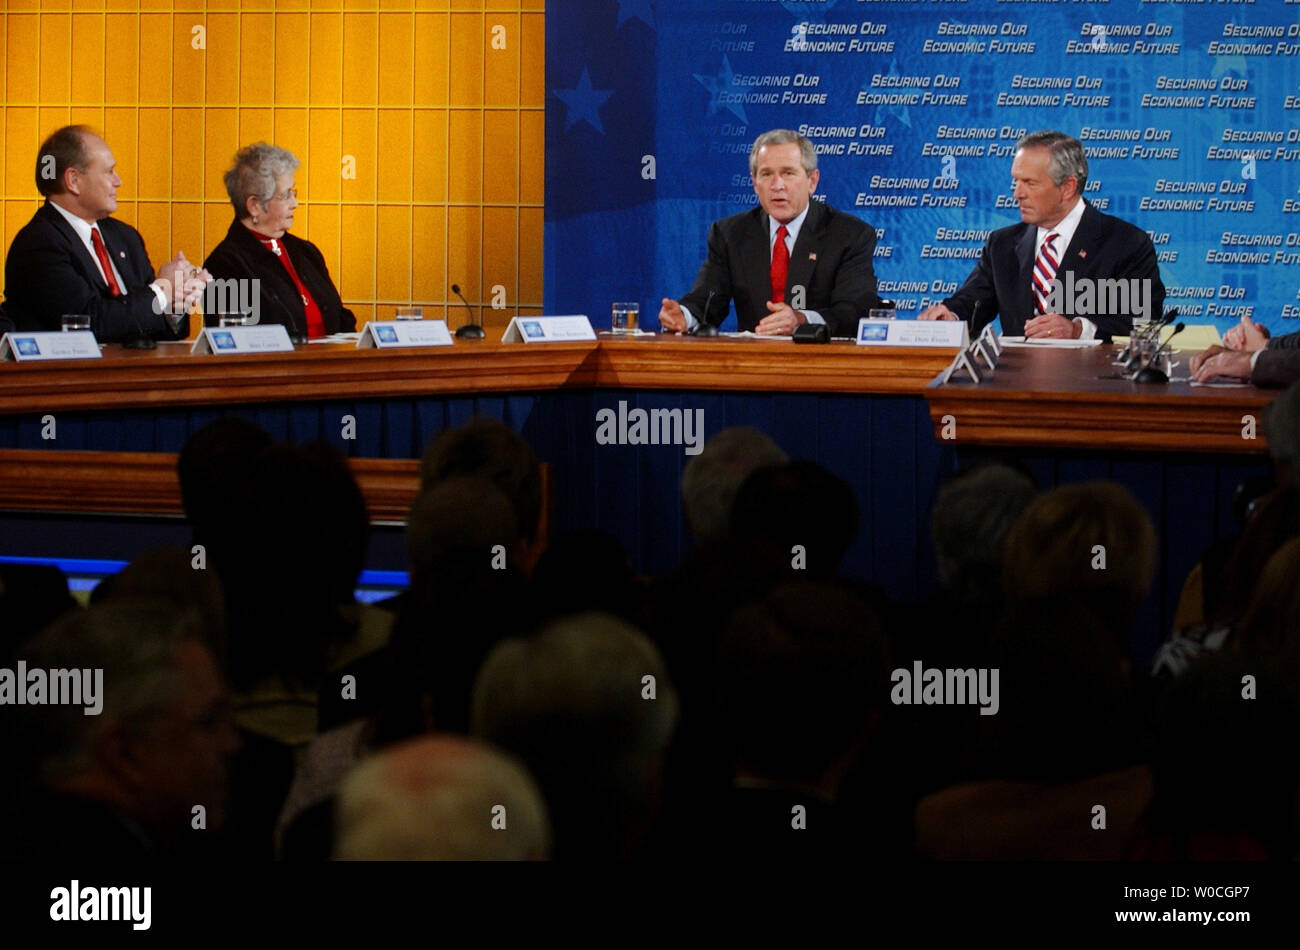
213	464
441	798
32	596
1062	741
587	705
803	510
712	478
803	677
177	576
582	571
146	776
1271	625
1225	778
488	449
1092	541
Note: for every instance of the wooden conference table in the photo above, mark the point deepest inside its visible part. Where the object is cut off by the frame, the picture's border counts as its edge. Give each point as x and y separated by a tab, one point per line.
1048	398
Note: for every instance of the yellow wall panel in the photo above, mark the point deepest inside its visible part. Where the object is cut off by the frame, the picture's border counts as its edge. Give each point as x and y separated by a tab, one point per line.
256	59
429	152
188	62
154	168
187	234
466	87
431	58
155	44
394	155
221	59
465	163
532	156
220	142
56	37
500	156
500	251
324	156
532	59
326	64
393	254
187	155
438	123
530	255
501	65
359	174
360	58
121	78
88	54
396	59
429	254
21	78
356	277
23	138
463	243
292	69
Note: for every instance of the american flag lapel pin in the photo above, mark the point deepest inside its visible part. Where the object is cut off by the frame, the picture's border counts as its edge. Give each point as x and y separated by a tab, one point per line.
1082	255
812	256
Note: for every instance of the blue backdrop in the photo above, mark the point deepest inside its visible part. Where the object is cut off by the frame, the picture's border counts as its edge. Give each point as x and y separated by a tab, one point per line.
1189	112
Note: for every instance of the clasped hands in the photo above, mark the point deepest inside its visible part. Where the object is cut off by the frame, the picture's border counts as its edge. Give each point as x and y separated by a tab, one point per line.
781	319
182	283
1233	359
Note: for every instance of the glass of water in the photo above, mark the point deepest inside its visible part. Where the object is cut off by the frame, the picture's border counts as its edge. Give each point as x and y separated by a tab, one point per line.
881	314
409	313
75	321
233	320
624	316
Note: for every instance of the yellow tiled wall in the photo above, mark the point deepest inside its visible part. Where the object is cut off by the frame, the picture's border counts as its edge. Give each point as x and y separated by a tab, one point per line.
419	125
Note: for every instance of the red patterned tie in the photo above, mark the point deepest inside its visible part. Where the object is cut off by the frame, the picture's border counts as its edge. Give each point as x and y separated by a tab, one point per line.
780	265
105	264
1045	272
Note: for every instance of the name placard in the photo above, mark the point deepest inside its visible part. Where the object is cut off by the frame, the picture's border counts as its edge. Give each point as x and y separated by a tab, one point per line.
49	345
384	334
264	338
549	329
950	334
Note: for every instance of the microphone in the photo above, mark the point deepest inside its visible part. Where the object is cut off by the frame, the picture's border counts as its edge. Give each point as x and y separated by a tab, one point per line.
703	327
469	331
1151	373
296	335
970	324
141	340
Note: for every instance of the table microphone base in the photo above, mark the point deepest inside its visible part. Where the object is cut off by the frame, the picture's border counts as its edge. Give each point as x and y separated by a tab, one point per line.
140	343
470	331
705	329
1149	374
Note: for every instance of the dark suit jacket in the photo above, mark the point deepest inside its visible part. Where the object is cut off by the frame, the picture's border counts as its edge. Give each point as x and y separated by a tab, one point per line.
1103	247
1279	363
241	255
49	272
831	260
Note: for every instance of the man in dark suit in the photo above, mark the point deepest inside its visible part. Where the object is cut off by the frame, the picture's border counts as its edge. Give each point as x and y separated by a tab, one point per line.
1250	354
73	258
819	271
1067	271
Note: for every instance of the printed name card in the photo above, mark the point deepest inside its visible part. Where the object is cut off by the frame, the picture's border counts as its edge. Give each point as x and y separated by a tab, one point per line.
266	338
50	345
384	334
549	329
941	333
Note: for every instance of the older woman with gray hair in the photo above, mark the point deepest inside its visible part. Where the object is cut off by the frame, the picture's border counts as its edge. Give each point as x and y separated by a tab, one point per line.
294	284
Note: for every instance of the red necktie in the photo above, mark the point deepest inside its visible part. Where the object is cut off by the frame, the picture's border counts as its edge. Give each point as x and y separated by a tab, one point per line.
104	262
1045	272
780	265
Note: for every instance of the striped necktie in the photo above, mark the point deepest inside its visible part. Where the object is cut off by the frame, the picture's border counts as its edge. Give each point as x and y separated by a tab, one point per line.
1045	272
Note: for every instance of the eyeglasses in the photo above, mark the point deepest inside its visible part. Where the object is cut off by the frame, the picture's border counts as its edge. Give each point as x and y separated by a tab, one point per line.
291	194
